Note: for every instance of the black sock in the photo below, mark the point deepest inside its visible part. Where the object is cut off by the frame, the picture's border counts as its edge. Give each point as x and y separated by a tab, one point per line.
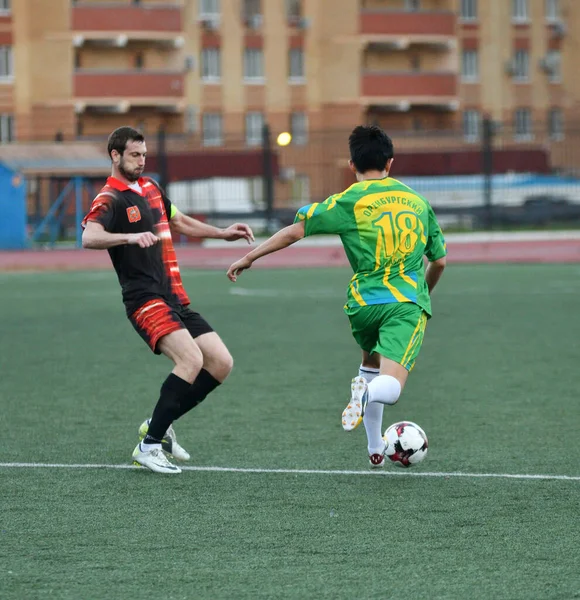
204	383
168	406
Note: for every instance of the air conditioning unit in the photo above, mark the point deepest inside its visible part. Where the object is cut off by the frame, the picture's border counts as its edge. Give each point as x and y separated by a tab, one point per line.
558	29
254	21
549	63
303	23
510	66
210	23
287	174
189	63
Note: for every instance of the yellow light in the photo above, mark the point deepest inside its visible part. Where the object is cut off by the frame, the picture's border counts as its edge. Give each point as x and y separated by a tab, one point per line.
284	139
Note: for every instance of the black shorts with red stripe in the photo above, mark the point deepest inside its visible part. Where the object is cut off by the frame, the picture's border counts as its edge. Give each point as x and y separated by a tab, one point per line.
157	318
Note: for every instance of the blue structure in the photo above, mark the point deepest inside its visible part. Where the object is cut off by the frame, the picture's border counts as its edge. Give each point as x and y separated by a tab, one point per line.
12	209
73	164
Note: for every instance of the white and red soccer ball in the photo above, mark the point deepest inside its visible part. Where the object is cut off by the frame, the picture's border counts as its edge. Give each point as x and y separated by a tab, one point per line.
407	443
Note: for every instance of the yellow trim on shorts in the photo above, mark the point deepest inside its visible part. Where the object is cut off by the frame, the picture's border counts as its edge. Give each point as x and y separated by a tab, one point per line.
415	337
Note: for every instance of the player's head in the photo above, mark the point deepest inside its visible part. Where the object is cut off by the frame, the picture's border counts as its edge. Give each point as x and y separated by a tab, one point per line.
371	149
127	150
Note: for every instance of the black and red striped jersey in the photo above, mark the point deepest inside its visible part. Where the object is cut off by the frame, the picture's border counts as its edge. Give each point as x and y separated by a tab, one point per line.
144	273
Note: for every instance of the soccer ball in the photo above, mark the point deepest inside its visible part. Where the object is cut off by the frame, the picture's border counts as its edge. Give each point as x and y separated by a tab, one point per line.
406	443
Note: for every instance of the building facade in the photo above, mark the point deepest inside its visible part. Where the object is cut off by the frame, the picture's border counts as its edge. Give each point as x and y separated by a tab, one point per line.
214	71
219	68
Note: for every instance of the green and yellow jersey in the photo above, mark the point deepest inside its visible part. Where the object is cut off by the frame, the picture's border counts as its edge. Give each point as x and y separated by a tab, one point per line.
386	228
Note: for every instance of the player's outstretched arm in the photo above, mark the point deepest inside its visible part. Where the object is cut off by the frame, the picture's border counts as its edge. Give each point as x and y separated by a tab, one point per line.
282	239
96	237
434	272
190	227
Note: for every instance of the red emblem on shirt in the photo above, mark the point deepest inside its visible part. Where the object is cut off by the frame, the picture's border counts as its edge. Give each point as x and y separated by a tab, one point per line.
133	214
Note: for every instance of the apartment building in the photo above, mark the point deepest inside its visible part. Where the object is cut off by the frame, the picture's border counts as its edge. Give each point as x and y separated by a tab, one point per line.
216	70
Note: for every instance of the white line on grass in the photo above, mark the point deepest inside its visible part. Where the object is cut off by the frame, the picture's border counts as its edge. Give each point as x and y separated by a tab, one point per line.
19	465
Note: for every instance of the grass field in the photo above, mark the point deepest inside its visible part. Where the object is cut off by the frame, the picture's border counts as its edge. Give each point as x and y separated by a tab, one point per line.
495	388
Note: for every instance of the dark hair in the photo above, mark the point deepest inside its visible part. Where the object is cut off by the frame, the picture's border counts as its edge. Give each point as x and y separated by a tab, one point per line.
370	148
119	138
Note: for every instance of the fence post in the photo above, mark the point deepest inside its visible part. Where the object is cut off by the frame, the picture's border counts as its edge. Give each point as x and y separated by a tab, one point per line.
487	156
268	175
162	158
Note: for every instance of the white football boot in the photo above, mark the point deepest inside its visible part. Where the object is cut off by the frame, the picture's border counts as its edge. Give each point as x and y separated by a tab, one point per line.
155	460
353	414
168	443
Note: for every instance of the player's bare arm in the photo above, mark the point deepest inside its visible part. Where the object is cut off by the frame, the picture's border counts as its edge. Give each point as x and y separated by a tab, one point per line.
95	237
190	227
282	239
434	271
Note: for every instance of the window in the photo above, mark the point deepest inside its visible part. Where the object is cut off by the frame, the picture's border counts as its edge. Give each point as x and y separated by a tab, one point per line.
470	65
253	12
552	65
300	192
211	64
212	129
254	65
6	128
412	5
471	125
254	127
523	124
4	6
556	123
299	128
552	10
293	9
190	119
521	65
6	67
520	10
296	65
468	10
256	192
209	9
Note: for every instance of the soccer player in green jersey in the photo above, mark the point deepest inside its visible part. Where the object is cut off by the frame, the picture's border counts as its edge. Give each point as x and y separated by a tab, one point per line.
387	230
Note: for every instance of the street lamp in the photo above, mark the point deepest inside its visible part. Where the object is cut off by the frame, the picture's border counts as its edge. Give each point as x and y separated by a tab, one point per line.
284	138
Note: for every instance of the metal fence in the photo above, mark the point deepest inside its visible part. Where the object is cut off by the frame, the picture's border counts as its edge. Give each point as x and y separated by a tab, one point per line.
502	178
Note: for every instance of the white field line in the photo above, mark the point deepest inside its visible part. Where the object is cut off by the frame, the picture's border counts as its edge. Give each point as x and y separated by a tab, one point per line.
405	473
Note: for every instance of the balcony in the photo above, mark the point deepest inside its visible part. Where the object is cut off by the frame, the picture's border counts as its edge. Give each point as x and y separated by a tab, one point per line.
120	90
402	29
116	23
403	90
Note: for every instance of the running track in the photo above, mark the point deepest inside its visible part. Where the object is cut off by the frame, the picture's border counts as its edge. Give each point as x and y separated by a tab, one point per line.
533	247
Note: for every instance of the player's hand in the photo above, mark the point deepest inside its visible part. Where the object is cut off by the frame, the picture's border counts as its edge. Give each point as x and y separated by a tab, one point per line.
238	267
238	231
145	239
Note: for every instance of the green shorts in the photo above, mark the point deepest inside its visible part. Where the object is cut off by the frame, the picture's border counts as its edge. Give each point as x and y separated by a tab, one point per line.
394	331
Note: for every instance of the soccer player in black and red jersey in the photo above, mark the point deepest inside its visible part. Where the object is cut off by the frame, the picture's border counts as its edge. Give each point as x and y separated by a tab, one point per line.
133	219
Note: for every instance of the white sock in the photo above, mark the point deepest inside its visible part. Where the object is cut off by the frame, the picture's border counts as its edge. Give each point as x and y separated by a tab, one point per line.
373	422
148	447
368	373
384	389
373	419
